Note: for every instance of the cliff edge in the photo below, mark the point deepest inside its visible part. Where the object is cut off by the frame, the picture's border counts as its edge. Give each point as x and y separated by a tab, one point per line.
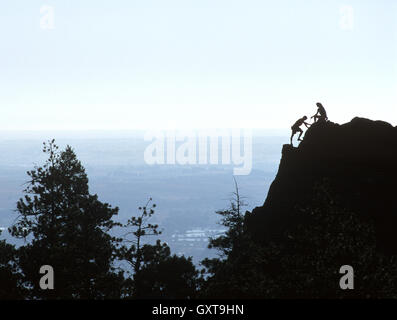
358	160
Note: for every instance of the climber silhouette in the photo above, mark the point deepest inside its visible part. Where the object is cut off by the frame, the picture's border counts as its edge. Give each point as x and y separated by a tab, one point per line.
321	114
295	128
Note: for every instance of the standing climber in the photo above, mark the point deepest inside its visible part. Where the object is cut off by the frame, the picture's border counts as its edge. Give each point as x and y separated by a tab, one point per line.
321	114
295	128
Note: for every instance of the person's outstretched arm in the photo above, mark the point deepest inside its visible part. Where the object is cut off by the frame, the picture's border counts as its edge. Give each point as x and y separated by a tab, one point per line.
316	114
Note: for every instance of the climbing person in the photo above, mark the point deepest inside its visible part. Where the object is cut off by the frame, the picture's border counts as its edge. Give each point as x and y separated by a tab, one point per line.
321	114
295	128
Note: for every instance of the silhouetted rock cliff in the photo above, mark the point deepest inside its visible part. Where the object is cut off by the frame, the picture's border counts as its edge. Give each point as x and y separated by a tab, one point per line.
357	159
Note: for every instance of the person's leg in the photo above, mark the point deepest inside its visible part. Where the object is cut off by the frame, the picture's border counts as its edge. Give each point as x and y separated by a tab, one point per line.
294	130
300	134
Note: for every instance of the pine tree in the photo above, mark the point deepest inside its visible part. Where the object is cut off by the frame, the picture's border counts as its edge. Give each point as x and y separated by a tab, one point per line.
67	228
155	273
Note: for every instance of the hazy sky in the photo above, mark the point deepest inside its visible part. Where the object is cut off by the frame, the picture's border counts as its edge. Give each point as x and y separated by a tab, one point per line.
137	64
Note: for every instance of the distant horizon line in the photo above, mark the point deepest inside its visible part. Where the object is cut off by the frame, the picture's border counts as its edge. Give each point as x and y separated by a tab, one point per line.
120	133
147	129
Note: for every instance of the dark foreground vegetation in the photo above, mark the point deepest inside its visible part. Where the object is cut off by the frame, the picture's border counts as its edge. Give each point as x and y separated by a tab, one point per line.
330	205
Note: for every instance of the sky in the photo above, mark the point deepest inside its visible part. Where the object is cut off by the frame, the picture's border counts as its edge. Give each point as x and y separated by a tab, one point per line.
191	64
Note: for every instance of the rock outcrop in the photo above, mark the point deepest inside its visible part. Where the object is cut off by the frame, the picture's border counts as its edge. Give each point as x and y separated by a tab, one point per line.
359	161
